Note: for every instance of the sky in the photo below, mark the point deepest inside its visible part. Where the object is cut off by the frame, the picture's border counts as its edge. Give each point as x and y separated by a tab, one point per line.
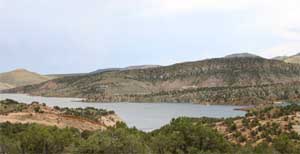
68	36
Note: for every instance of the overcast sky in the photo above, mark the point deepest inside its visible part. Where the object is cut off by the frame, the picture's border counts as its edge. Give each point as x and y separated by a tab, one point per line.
63	36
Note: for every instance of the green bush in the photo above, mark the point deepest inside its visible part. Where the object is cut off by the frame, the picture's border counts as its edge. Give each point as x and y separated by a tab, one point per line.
184	136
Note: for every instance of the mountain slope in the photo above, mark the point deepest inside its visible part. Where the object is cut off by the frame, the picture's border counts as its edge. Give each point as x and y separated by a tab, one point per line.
178	83
20	77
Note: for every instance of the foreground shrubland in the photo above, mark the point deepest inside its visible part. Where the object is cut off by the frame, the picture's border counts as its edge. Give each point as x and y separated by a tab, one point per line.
266	130
181	136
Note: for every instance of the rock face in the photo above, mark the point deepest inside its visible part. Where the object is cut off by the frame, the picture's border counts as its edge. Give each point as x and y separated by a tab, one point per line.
238	80
20	77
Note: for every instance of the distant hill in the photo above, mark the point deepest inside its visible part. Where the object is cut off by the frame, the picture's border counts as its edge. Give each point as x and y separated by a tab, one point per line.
102	71
105	70
240	80
5	86
282	58
53	76
124	69
295	59
140	67
242	55
20	77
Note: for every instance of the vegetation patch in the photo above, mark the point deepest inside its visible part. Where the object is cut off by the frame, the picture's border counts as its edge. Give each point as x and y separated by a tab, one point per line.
8	106
88	113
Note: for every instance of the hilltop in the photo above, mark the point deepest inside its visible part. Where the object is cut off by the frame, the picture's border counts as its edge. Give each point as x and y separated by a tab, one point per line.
125	68
242	55
241	80
20	77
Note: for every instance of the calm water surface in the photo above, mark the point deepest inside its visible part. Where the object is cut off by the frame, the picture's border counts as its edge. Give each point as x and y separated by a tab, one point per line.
144	116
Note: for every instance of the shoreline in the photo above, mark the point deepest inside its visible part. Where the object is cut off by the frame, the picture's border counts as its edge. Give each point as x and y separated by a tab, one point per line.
244	106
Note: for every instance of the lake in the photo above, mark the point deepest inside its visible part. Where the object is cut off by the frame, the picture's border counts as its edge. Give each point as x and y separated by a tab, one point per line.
144	116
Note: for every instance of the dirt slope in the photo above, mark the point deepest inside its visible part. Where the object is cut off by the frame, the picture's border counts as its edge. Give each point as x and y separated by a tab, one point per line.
13	112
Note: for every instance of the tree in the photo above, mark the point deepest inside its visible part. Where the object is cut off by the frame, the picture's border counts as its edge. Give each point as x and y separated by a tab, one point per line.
114	141
186	136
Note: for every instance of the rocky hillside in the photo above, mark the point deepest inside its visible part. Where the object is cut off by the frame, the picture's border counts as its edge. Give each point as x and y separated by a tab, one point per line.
20	77
262	125
82	119
224	80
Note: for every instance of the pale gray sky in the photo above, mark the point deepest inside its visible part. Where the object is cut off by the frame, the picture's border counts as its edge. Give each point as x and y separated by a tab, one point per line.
63	36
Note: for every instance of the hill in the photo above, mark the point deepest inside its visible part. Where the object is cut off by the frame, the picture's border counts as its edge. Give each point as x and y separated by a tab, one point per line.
20	77
5	86
102	71
295	59
125	68
245	80
280	58
262	125
54	76
242	55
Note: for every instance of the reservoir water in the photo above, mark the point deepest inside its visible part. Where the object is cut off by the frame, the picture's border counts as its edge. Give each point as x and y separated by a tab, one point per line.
144	116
